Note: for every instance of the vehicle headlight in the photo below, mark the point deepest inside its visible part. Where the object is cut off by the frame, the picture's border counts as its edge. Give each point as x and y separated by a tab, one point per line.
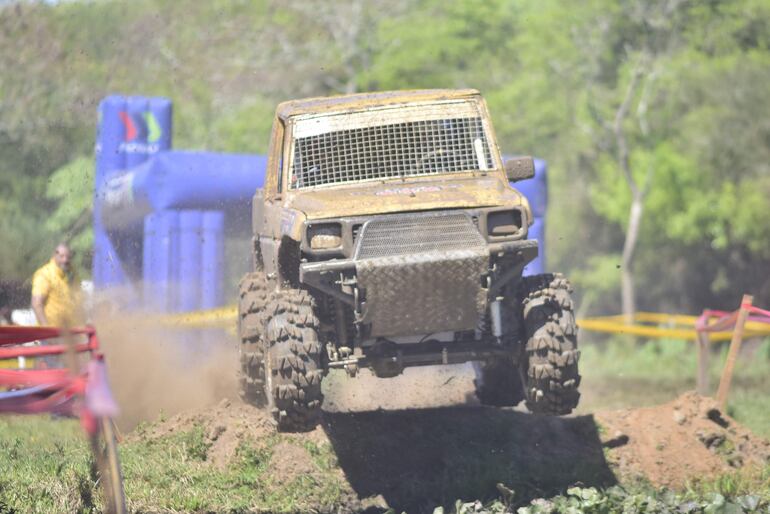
324	236
504	223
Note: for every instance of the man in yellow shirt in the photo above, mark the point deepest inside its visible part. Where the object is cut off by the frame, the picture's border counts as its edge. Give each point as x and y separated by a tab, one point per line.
56	291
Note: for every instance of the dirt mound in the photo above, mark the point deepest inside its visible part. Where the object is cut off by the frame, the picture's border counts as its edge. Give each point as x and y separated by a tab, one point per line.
224	425
417	458
681	440
227	424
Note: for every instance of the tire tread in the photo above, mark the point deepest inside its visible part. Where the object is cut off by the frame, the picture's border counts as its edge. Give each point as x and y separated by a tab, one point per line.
552	377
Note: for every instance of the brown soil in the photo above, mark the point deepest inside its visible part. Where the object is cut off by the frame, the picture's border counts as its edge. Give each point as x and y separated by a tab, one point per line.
225	424
290	461
679	441
412	459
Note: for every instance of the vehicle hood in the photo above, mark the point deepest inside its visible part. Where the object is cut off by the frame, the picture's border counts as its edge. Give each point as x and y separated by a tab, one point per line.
399	196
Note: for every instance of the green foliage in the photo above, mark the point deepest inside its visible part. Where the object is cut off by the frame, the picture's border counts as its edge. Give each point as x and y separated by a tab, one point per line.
617	499
589	500
173	472
599	279
71	189
246	129
553	75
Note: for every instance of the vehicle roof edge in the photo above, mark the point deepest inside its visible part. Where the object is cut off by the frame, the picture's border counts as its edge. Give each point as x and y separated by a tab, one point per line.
355	101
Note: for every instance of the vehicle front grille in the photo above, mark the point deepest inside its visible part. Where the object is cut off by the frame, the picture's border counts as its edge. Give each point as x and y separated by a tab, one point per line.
356	231
417	233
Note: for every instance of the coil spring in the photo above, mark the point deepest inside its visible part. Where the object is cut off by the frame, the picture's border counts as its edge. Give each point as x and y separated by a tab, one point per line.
485	324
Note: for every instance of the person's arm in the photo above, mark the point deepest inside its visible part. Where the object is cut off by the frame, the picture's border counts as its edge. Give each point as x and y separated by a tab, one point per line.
40	290
38	302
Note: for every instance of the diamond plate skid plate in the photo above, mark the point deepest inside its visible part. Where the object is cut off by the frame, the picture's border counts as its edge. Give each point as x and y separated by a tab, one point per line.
417	233
423	293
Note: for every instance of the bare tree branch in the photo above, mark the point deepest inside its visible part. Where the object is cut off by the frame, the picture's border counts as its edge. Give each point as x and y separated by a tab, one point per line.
620	136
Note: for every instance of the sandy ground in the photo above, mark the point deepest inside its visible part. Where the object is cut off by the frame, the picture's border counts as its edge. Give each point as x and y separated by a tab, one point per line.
433	386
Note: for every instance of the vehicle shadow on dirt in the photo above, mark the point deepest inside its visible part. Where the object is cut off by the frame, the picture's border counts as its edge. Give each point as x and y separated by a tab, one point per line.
417	459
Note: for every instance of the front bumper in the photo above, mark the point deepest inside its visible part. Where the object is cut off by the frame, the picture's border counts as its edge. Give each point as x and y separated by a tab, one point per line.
425	292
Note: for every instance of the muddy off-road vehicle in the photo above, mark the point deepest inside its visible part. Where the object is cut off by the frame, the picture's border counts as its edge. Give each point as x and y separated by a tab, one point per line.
387	236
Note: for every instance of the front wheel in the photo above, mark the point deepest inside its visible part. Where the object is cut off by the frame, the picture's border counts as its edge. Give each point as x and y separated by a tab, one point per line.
253	292
292	360
551	358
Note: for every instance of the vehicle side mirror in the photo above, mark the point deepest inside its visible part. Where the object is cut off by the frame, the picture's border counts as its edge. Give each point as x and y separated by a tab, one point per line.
519	168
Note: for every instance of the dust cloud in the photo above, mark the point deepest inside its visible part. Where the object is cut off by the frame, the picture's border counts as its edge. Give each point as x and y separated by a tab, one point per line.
156	369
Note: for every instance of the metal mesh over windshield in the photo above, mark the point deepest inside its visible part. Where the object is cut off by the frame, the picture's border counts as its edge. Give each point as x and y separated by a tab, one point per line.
423	147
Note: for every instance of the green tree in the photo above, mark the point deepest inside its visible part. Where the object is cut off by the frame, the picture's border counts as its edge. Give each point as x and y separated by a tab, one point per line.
71	189
655	109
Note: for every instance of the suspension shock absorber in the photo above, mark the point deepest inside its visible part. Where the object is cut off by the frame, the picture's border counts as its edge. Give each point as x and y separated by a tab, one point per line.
496	318
341	324
483	327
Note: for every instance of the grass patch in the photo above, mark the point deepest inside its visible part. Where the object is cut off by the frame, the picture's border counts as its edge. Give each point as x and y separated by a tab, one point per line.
746	481
46	468
322	454
172	473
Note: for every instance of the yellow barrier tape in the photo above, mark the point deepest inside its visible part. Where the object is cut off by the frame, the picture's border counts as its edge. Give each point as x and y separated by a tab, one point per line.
661	325
16	363
644	324
221	317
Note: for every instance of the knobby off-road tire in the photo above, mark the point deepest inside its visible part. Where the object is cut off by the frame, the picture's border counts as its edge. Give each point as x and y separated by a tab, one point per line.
292	360
499	384
551	363
253	291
